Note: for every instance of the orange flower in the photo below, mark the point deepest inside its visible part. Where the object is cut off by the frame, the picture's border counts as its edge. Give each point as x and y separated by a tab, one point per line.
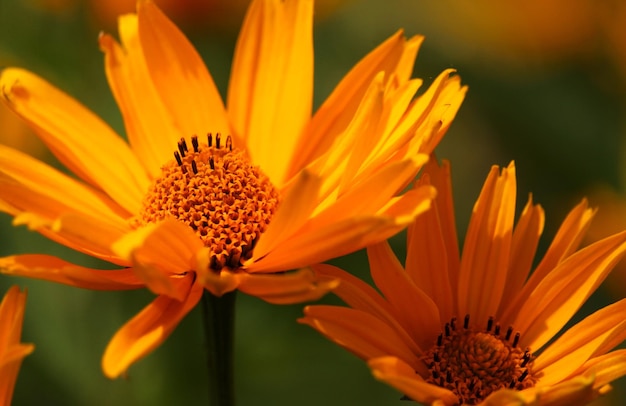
206	197
478	328
11	350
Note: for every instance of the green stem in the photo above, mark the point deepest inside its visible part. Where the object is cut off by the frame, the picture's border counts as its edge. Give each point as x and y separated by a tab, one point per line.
219	320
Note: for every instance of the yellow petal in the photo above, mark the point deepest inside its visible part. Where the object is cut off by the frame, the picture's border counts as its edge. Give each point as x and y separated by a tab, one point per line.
403	377
337	111
149	126
161	253
605	368
487	246
294	287
577	391
596	334
358	332
271	87
147	330
83	142
53	269
565	289
182	80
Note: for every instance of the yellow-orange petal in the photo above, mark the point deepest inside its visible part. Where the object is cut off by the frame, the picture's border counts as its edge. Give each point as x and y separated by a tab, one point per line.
578	391
605	368
11	350
49	268
566	241
298	203
523	247
487	246
565	289
338	109
161	254
359	332
147	330
400	291
276	41
182	80
27	182
293	287
432	262
81	140
361	296
149	126
316	244
596	334
403	377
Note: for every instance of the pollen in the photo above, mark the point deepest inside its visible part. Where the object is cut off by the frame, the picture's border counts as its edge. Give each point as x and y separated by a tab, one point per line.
214	189
474	363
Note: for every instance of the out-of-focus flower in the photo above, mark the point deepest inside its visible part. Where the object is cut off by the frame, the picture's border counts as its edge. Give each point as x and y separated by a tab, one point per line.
12	351
477	329
525	32
208	197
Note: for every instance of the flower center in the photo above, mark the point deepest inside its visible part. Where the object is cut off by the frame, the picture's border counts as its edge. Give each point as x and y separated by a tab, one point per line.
215	190
473	364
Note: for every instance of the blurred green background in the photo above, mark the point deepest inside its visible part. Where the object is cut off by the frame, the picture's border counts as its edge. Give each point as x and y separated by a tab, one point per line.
547	89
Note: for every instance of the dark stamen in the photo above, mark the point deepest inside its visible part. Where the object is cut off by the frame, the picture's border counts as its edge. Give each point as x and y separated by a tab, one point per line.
447	328
448	376
509	331
497	330
229	143
194	167
466	322
436	357
516	339
453	323
439	340
489	324
178	158
194	142
522	376
210	139
211	162
512	384
525	359
218	139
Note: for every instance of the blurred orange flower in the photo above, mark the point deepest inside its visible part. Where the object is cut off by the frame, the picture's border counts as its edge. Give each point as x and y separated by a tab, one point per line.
11	350
450	329
269	188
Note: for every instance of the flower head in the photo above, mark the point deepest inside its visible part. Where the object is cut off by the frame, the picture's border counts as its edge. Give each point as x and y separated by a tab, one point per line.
11	350
478	328
208	197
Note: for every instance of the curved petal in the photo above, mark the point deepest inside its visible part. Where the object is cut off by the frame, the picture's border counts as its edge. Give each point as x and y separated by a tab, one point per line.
395	54
602	330
401	376
271	87
180	77
28	183
161	254
83	142
361	333
49	268
316	243
294	287
147	330
577	391
485	258
565	289
605	368
149	126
